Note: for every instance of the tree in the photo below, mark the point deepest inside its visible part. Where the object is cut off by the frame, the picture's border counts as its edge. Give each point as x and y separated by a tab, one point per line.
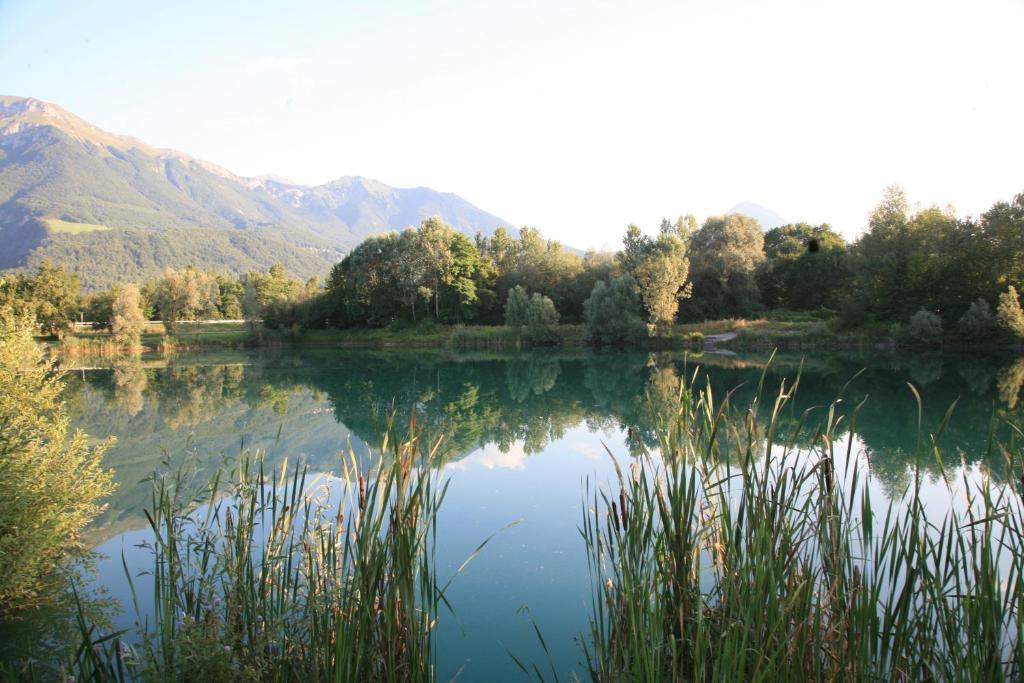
660	268
925	327
977	322
55	296
536	315
804	268
177	297
127	321
613	313
516	306
51	483
435	248
1009	315
725	253
541	319
99	308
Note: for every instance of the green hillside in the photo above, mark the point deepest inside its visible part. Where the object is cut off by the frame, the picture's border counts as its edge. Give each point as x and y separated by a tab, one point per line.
108	206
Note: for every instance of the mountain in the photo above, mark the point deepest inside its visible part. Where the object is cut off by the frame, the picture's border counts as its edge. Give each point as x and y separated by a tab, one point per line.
111	207
766	217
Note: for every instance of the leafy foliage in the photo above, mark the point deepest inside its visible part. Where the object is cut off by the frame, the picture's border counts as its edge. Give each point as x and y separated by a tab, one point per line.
1009	314
977	322
726	252
613	313
51	481
924	327
127	320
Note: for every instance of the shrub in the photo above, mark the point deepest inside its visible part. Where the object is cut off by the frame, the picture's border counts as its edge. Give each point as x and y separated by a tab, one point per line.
51	483
1009	314
613	313
924	327
977	322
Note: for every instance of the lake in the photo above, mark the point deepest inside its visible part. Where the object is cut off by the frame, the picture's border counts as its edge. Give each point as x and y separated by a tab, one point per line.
522	435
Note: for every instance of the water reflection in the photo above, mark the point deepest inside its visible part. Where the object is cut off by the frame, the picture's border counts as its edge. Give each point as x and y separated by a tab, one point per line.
520	433
309	405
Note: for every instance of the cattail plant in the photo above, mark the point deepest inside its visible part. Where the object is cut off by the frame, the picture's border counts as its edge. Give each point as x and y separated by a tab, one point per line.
276	577
747	559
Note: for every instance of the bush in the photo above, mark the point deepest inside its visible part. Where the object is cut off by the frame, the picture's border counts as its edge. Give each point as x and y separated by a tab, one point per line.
1009	315
924	327
51	482
613	313
977	322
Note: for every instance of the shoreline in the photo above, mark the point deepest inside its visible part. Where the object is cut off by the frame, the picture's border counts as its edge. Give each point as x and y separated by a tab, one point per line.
721	335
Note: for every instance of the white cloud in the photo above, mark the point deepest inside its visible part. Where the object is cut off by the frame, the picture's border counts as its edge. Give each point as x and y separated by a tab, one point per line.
492	457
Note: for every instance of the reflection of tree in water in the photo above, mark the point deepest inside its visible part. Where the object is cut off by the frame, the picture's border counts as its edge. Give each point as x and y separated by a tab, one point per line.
922	369
978	373
531	376
129	384
528	399
193	394
1011	378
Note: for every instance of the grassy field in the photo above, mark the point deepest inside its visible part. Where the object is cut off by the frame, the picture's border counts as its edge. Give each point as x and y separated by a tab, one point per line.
57	225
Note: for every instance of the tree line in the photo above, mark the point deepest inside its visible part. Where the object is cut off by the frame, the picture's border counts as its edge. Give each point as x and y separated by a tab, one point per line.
916	274
52	296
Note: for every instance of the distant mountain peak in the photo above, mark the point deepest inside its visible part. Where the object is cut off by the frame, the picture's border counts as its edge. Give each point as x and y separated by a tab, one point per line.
141	208
765	216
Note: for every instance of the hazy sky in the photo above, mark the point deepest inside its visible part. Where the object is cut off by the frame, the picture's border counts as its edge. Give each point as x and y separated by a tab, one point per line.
576	117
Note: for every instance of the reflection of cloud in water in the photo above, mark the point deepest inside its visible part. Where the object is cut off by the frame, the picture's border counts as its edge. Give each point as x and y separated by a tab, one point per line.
491	457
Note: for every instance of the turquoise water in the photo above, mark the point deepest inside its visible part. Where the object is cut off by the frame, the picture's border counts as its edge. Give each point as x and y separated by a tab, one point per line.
521	435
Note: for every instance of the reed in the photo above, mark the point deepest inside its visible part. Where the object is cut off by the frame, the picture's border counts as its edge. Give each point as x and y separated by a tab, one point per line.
732	556
276	577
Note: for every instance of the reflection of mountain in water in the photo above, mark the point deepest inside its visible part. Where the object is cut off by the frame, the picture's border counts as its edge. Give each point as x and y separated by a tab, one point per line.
308	405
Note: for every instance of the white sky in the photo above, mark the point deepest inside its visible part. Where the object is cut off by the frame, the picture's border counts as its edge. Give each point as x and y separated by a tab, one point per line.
576	117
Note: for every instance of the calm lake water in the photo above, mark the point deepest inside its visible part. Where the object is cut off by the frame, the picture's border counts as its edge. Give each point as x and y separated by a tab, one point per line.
522	434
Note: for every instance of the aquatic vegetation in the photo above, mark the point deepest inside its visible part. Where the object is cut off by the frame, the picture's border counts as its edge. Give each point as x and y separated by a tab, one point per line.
281	578
734	556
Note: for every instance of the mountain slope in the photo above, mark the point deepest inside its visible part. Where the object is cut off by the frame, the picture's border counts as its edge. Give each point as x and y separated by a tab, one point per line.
72	192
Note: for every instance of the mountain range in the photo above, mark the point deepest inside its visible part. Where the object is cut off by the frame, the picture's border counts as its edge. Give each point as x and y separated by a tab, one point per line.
112	208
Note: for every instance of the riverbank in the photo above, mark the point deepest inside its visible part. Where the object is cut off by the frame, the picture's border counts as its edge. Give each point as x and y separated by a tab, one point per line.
207	336
781	330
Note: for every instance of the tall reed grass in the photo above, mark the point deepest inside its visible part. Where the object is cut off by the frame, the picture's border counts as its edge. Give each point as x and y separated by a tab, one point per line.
732	556
275	577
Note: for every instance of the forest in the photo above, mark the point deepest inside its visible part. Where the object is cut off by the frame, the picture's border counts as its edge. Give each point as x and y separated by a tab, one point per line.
915	275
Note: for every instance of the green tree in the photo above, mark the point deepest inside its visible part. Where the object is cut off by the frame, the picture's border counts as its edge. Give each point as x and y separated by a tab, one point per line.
177	297
51	483
516	306
924	327
541	319
1009	315
55	296
805	267
127	321
99	308
977	322
725	254
614	313
660	269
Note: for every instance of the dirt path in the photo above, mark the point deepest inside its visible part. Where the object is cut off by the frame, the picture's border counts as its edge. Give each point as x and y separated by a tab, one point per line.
719	338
